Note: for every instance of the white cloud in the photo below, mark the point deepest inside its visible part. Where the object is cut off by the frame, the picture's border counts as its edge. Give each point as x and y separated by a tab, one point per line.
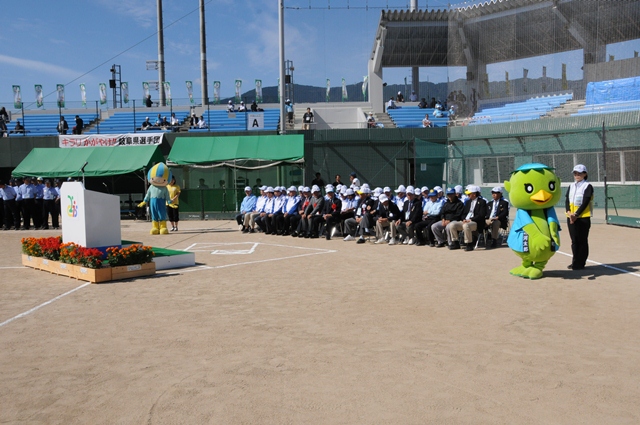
41	67
141	11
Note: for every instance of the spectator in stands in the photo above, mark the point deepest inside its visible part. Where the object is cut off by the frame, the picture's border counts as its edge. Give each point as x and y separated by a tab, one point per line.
79	125
451	211
579	204
4	119
337	181
460	97
63	127
432	104
423	103
318	181
413	97
230	106
146	125
452	113
363	220
289	108
242	107
400	97
439	106
437	113
193	120
254	106
371	121
174	121
410	216
201	122
388	213
147	101
330	212
19	128
391	104
307	119
158	120
497	216
426	123
164	123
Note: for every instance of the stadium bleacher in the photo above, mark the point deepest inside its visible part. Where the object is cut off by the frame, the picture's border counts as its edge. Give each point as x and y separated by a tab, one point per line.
124	122
411	117
606	97
47	124
220	120
530	109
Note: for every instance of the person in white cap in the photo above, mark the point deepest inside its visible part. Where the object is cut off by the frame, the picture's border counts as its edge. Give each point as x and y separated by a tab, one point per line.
391	104
330	212
430	215
497	217
250	219
263	221
400	97
579	205
289	210
278	204
371	121
401	196
230	106
296	220
473	219
461	193
354	180
363	220
242	107
247	206
316	204
388	213
411	214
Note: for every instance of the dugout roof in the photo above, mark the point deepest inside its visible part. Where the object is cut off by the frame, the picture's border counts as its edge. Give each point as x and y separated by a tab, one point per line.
227	149
503	30
101	161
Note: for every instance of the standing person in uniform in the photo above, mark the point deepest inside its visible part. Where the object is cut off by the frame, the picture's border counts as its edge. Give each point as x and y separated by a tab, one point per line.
28	192
578	203
173	208
11	214
49	197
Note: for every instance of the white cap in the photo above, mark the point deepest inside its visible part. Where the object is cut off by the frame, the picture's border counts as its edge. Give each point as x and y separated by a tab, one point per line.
386	189
364	189
410	189
350	192
270	189
383	198
278	189
458	188
417	191
229	100
263	187
343	190
377	191
401	189
437	189
399	92
365	185
472	189
315	188
497	189
292	189
306	189
247	189
424	189
580	168
329	188
300	188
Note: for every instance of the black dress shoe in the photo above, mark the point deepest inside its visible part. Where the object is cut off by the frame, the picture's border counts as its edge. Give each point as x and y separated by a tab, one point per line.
469	247
441	245
570	266
294	234
432	244
361	240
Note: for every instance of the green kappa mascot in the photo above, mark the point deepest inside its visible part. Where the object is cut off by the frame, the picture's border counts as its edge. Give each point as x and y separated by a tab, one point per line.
534	189
157	197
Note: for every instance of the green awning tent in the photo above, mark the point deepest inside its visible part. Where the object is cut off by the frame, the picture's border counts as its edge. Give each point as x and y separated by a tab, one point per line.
101	161
237	151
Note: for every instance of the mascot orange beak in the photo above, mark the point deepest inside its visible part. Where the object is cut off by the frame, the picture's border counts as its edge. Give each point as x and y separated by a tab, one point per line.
541	197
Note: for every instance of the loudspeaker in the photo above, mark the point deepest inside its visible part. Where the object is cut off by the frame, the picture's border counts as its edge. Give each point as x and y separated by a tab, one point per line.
287	79
469	76
112	84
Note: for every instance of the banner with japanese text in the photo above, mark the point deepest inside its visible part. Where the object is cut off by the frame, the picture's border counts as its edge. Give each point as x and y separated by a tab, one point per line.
258	91
17	97
167	91
328	90
190	91
124	89
238	86
365	83
345	96
83	94
102	140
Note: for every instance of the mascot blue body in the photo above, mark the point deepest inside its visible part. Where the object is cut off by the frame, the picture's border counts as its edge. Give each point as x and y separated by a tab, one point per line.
157	197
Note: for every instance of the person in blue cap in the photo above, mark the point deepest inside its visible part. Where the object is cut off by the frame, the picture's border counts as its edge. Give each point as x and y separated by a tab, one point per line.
451	211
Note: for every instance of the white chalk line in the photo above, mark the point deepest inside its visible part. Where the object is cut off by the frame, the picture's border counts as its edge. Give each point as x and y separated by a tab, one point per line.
26	313
13	267
605	265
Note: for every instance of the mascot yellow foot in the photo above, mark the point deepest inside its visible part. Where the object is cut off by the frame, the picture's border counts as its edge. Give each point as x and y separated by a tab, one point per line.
163	228
155	228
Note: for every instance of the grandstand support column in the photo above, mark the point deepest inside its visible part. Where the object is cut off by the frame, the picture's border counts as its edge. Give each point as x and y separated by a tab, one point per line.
376	97
160	54
415	80
203	57
283	124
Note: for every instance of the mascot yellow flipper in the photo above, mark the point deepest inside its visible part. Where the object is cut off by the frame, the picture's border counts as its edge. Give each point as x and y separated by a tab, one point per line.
534	189
157	197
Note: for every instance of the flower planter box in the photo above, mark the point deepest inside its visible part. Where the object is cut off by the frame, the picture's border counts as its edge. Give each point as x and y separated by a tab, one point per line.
135	270
104	274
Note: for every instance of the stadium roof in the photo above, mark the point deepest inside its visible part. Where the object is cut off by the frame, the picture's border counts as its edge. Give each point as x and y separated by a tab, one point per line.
504	30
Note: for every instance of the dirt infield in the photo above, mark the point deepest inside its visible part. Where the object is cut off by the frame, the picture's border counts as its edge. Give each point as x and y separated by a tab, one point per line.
277	330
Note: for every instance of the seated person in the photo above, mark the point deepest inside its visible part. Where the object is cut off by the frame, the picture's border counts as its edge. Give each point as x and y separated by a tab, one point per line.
285	224
391	104
423	103
451	211
371	122
230	106
254	106
146	125
426	123
438	113
388	213
242	108
497	216
413	97
158	120
308	220
174	121
303	203
363	220
400	97
193	120
473	219
19	128
250	218
164	123
330	212
430	215
262	220
275	217
201	122
247	206
410	215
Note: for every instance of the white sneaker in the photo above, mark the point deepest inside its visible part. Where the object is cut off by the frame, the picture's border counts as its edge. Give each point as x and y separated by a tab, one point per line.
381	240
393	241
349	238
411	241
405	242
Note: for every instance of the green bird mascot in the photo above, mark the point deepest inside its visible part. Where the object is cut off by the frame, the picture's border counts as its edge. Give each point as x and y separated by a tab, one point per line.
534	189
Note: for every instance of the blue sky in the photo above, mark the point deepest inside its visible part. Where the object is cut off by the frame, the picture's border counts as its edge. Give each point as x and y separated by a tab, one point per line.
76	41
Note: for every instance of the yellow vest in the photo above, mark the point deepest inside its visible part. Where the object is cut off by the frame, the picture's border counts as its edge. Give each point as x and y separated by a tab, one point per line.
576	195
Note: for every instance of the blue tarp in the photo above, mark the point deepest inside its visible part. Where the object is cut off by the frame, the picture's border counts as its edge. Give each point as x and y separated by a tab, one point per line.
622	90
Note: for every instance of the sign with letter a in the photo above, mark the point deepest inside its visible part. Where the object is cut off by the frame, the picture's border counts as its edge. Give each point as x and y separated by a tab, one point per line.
255	121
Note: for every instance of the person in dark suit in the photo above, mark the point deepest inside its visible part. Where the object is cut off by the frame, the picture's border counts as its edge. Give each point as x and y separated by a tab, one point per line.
473	218
330	212
79	125
410	216
497	216
451	212
387	213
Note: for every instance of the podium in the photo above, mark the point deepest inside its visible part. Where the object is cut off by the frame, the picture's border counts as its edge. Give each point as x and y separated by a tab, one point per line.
90	219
